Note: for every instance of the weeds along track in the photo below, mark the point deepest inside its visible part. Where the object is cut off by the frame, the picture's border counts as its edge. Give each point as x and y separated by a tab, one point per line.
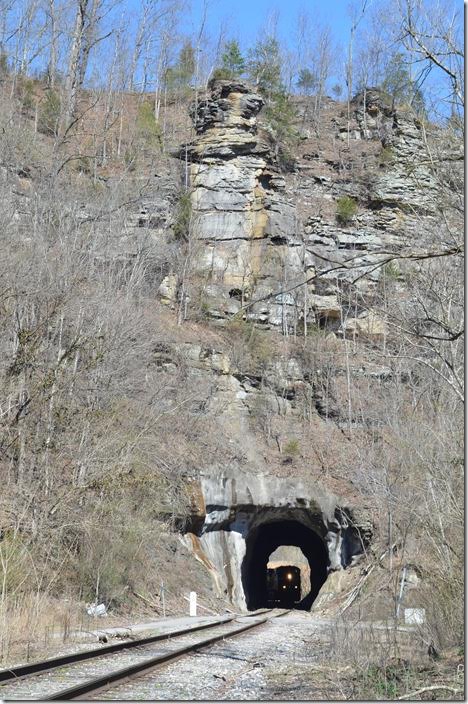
88	672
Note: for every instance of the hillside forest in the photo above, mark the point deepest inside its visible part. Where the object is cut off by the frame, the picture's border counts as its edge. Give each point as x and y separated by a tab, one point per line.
103	428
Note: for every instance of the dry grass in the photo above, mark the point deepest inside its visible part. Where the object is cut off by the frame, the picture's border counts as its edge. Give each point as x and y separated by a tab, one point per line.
35	624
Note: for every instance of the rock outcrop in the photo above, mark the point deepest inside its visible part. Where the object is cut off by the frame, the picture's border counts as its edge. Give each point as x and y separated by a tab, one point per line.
380	159
247	246
253	256
408	182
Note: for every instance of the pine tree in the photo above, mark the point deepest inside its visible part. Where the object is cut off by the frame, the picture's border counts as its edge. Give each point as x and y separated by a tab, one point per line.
232	60
307	81
265	70
281	116
179	76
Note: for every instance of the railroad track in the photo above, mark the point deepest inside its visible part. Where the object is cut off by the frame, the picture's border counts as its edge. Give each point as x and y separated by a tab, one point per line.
93	671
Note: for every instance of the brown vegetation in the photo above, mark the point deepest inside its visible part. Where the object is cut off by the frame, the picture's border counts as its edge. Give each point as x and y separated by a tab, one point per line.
103	422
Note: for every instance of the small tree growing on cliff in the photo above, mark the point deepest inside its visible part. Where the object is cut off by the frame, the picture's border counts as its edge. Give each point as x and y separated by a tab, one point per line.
232	62
281	115
307	81
264	66
401	86
346	209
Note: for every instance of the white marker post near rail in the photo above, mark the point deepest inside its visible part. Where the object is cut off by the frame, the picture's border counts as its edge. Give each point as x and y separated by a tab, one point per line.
193	603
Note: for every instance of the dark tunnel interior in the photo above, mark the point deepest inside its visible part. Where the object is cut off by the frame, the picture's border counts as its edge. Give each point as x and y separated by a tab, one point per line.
264	540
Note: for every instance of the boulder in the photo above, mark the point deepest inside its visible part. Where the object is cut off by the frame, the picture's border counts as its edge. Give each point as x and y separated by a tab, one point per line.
368	324
168	289
326	306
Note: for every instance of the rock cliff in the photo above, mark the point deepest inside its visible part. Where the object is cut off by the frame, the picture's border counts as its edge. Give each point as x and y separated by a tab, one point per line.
245	228
408	182
270	248
269	251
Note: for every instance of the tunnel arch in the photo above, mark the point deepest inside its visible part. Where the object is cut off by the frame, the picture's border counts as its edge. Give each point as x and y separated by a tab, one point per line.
263	540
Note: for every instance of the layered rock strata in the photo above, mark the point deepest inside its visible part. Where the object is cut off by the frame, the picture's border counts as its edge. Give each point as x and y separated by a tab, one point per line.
247	246
251	252
408	182
380	158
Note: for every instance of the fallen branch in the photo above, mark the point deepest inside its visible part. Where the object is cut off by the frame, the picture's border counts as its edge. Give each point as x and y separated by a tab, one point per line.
411	695
147	601
354	593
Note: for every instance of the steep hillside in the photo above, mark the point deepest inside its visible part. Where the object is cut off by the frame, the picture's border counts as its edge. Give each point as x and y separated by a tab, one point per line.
207	357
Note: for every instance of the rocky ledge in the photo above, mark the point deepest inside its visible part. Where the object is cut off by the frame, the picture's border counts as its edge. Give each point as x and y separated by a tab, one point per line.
252	256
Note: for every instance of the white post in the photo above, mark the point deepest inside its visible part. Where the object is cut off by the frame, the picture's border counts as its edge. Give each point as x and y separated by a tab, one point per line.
400	595
193	603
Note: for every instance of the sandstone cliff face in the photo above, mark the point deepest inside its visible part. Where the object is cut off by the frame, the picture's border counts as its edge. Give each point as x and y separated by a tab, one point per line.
268	247
244	226
408	182
377	160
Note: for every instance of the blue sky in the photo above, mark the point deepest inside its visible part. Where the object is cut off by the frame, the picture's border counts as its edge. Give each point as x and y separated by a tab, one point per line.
249	20
244	19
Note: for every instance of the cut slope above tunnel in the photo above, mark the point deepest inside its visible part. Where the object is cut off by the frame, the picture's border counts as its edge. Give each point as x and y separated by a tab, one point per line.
263	541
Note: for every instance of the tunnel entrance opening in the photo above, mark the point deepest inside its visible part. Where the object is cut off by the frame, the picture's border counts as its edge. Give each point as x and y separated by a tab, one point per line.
290	555
262	542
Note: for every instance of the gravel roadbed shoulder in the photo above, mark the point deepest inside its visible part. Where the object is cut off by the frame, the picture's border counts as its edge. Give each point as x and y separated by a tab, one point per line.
241	668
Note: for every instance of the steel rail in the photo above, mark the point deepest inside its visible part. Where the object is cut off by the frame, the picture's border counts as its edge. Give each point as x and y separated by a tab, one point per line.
39	667
128	673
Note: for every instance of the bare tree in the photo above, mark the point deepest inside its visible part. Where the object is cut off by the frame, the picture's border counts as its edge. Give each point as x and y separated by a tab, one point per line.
431	33
85	36
52	13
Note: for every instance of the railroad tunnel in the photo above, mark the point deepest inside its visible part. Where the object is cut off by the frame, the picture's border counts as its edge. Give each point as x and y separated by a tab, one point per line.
242	527
262	541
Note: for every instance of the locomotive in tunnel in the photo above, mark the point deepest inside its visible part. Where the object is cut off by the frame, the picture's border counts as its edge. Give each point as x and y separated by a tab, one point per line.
283	586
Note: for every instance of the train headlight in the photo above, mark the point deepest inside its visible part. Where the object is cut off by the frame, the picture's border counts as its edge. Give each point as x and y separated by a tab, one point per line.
289	576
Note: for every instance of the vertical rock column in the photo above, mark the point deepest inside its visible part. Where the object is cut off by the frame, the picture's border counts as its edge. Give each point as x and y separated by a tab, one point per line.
244	240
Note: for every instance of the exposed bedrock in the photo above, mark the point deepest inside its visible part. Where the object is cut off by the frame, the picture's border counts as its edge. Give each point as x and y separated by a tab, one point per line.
239	521
247	242
408	182
245	229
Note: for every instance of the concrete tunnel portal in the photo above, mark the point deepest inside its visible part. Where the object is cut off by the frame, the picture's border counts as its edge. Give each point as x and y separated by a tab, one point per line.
246	533
262	541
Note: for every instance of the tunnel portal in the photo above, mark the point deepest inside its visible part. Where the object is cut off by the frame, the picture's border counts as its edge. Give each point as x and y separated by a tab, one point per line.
263	541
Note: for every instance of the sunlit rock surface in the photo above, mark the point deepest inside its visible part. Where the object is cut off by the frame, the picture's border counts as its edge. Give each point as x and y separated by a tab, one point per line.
245	229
